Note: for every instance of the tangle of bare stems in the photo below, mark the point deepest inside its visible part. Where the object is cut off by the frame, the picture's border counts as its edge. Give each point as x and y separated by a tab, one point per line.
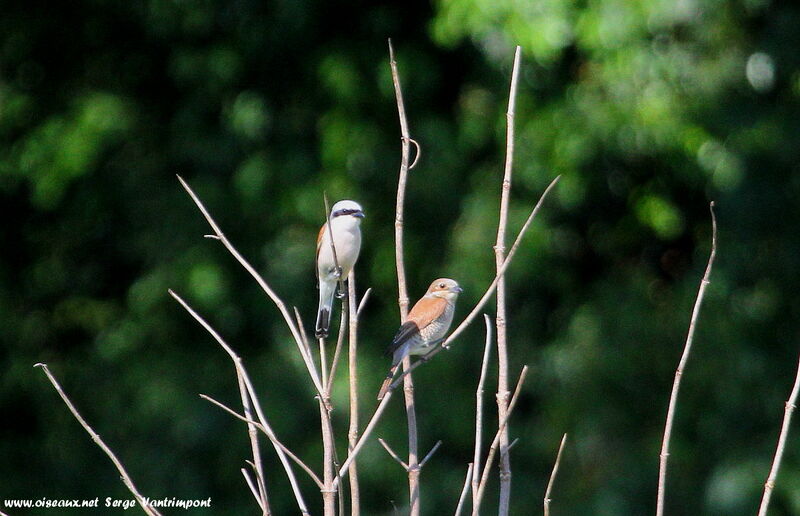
673	400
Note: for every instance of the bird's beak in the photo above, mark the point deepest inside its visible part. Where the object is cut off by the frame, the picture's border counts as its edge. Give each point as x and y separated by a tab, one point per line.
457	289
359	214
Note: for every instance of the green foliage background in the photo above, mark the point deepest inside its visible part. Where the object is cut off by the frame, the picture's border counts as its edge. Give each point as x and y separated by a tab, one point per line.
647	109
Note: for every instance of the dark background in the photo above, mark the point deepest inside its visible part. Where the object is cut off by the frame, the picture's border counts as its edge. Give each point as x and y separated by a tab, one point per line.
648	110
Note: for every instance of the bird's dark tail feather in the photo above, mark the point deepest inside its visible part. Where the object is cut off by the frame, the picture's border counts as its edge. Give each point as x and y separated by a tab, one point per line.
323	323
387	382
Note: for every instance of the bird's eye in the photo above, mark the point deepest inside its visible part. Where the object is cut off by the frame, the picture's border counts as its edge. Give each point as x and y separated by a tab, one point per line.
441	285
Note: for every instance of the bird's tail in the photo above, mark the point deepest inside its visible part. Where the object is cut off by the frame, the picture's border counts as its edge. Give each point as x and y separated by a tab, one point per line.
326	291
387	382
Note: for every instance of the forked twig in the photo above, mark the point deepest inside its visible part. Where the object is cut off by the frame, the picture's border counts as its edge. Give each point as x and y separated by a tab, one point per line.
673	399
776	461
392	453
126	479
237	362
219	235
464	491
493	448
553	477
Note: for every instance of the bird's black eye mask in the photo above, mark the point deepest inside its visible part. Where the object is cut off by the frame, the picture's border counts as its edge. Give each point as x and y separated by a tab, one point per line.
339	213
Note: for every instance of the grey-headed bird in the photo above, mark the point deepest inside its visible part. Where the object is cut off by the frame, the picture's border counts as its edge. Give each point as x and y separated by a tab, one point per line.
426	325
345	220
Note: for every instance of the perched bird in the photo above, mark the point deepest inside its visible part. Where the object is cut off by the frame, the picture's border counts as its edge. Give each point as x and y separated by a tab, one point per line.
345	220
426	325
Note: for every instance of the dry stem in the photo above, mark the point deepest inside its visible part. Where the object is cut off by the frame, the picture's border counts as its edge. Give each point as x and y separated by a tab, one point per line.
219	235
673	399
776	462
500	321
476	464
553	476
402	300
237	362
352	365
464	491
126	479
493	448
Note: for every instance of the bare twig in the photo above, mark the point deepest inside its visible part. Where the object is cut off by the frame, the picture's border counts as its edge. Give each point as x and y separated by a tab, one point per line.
776	461
333	244
464	491
402	299
476	464
493	448
376	416
500	320
673	399
392	453
237	362
252	487
430	454
337	352
553	477
352	365
363	302
309	362
489	290
273	439
329	470
254	446
303	333
126	479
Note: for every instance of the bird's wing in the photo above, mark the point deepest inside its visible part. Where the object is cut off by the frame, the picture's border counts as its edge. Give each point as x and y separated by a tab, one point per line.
424	312
316	256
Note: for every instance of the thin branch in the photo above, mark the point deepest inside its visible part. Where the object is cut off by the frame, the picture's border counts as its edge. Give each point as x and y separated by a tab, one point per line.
489	290
252	432
303	333
237	362
476	464
270	435
391	452
500	320
126	479
323	366
337	352
333	244
376	416
673	399
417	154
493	448
252	487
309	362
430	454
329	470
776	461
352	366
363	302
553	474
402	299
464	491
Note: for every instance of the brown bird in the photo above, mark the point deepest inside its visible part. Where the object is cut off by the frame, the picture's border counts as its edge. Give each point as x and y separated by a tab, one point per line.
425	327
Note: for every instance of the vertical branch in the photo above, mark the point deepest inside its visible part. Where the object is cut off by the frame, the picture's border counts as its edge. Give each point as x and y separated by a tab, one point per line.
776	462
126	479
402	299
352	362
499	253
328	469
476	464
673	399
553	477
